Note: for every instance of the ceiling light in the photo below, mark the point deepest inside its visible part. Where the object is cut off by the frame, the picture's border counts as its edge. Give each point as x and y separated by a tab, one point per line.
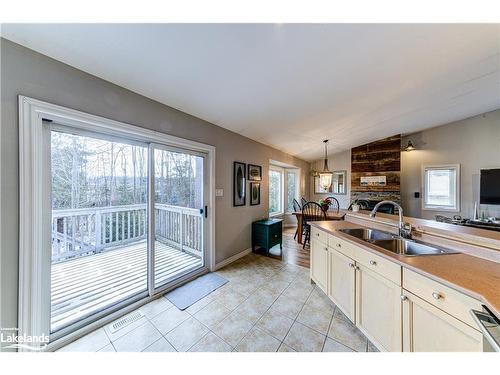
325	177
409	146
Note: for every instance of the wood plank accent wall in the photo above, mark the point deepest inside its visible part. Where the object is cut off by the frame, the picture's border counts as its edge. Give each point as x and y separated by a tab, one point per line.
379	158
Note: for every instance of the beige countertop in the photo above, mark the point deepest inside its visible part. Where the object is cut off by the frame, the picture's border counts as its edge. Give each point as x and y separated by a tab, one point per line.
476	277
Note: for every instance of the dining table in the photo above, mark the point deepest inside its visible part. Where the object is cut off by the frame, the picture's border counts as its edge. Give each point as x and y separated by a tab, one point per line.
330	215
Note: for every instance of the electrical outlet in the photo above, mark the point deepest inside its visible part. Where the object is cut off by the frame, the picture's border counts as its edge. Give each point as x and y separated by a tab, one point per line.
219	192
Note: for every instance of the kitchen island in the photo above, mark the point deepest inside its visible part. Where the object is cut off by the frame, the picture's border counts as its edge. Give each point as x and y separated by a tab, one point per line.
404	303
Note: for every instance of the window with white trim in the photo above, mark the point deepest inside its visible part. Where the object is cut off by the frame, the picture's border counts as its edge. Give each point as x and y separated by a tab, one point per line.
292	188
275	190
441	190
283	189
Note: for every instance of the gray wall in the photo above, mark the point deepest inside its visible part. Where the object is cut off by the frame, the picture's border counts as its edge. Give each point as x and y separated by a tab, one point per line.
340	161
474	143
26	72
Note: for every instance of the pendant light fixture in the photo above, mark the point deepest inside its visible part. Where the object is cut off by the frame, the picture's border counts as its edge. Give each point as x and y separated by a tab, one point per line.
325	177
409	146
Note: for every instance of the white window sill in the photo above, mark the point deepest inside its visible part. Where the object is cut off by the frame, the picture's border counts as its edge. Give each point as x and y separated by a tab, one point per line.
440	208
276	214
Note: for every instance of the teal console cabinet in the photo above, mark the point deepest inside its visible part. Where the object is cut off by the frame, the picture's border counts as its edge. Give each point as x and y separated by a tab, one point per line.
267	233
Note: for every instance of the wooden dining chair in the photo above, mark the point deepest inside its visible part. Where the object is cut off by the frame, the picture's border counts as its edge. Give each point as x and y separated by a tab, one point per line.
311	211
386	209
334	206
297	208
303	201
364	204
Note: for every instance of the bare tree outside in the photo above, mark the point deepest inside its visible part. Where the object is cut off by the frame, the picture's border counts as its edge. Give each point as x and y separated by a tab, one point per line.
275	184
89	172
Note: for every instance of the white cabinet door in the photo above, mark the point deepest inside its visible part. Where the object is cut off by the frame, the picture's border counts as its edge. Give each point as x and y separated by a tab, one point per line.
319	264
341	278
378	309
429	329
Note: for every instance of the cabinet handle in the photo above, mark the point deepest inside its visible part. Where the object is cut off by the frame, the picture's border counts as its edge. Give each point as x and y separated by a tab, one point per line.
338	245
436	295
403	297
356	268
351	265
317	234
373	263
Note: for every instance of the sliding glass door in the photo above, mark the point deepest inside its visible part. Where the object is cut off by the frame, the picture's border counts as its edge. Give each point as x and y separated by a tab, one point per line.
99	225
179	206
127	220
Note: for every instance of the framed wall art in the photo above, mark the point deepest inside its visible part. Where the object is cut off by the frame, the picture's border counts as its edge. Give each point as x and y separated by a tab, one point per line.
254	193
254	172
239	184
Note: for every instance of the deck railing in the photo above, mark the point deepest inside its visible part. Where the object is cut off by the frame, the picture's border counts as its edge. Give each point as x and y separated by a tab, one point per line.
86	231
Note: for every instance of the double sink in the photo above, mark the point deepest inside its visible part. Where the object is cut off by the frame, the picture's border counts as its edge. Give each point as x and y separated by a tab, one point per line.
395	244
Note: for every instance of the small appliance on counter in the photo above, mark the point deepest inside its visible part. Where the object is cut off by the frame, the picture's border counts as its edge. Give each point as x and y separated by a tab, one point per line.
489	224
489	325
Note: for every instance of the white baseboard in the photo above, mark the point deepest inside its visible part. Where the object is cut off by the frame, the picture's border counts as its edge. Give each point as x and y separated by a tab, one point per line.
232	259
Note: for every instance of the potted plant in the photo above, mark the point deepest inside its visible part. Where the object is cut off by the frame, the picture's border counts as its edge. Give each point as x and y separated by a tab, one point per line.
355	205
325	203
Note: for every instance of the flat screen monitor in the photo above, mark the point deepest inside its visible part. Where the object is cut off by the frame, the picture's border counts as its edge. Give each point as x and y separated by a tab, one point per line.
490	186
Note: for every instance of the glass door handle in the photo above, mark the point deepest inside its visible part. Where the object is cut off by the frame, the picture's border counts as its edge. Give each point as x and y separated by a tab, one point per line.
204	211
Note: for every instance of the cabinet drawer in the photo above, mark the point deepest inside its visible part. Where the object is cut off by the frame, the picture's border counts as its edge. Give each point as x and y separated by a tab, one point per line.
319	235
380	265
443	297
342	246
275	232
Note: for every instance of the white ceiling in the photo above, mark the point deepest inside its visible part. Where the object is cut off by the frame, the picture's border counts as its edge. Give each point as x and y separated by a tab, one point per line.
292	85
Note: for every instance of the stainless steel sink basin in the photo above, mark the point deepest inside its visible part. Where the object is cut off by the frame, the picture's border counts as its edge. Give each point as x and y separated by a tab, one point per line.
410	248
395	244
368	234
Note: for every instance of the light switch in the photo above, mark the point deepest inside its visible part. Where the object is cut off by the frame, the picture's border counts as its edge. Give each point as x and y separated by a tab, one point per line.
219	192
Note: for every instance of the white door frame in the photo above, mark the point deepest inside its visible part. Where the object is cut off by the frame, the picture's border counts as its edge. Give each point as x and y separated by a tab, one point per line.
34	184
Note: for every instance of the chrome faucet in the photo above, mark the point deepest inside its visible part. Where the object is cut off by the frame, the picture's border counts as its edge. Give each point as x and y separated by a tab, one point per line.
404	228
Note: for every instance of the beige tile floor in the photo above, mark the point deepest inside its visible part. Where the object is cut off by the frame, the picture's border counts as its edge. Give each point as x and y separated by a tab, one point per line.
267	306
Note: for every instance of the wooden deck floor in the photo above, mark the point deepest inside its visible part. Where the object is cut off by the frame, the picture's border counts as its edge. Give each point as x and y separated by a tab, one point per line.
86	285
